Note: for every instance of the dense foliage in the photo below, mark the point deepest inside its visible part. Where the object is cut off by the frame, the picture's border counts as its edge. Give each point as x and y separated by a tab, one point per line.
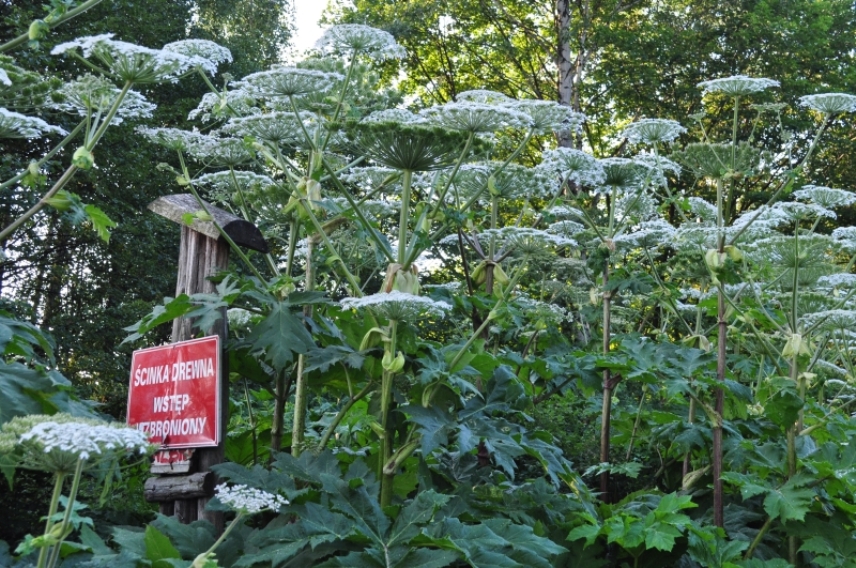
468	347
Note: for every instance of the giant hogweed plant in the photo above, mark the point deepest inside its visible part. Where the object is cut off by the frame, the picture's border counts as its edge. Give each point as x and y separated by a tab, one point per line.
425	392
360	200
773	280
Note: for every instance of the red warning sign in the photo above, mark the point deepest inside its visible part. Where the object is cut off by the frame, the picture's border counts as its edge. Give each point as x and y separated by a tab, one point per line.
174	394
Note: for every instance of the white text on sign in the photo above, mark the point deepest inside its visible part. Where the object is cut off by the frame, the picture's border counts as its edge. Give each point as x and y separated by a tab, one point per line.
182	371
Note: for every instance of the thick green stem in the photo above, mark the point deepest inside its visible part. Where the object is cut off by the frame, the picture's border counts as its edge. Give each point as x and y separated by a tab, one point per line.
59	480
222	538
758	538
300	386
406	187
387	479
719	394
606	406
69	508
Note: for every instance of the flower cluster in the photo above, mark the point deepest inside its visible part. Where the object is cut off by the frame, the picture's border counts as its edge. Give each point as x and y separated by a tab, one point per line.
171	138
224	185
525	240
238	101
548	116
277	127
357	39
90	94
398	306
475	117
282	81
649	234
830	103
512	181
653	131
206	54
85	439
825	196
57	443
17	125
131	63
249	500
574	166
737	85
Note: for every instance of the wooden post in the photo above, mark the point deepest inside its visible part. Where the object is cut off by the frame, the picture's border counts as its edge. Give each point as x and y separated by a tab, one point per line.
203	253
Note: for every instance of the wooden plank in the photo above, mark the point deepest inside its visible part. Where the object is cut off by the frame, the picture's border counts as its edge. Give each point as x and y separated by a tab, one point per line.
172	487
244	233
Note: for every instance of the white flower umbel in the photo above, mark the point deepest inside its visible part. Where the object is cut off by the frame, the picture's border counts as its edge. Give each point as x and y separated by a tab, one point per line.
527	241
90	95
657	168
653	131
635	206
843	279
483	96
222	184
830	319
566	212
238	102
846	237
543	314
825	196
737	85
511	182
276	127
566	228
357	39
474	117
129	62
548	116
4	78
371	177
398	306
574	166
800	211
830	103
249	500
704	211
225	152
621	174
397	115
171	138
17	125
206	54
649	234
281	81
57	443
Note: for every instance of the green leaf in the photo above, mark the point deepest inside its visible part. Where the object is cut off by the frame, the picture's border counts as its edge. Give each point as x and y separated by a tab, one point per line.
158	547
749	486
588	532
280	335
22	391
94	542
100	222
790	502
171	309
419	511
